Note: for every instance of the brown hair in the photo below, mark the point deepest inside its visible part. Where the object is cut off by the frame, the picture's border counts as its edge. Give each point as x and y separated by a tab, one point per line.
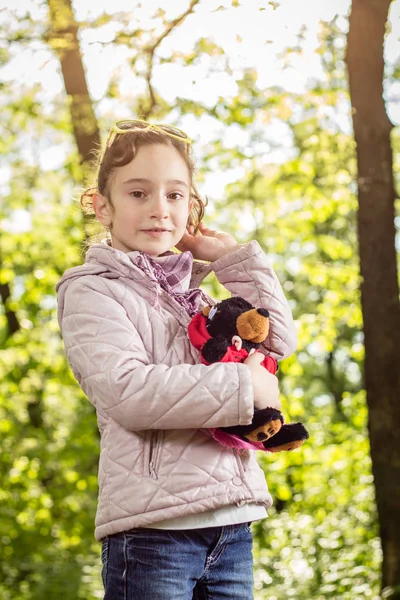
122	151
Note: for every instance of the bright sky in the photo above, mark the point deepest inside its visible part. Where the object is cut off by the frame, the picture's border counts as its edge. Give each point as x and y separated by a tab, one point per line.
265	31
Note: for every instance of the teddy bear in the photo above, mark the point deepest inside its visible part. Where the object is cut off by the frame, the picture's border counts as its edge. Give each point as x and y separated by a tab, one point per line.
230	331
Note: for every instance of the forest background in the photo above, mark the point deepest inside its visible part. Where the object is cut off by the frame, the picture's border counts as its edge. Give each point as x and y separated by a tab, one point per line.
262	88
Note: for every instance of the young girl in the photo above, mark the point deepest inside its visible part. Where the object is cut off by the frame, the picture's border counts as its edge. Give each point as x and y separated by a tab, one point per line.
174	507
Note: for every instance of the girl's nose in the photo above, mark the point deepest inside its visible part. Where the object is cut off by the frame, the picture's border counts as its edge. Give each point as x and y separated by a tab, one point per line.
159	205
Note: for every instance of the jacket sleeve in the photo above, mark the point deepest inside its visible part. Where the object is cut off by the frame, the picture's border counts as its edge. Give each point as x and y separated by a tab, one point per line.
110	362
245	272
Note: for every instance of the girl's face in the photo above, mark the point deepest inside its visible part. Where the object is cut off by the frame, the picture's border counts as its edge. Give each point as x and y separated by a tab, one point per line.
151	198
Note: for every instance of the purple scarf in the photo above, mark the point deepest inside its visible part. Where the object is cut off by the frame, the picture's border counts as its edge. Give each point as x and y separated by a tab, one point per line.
173	273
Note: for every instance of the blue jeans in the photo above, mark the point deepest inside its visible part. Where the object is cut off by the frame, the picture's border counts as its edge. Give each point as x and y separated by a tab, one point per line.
214	563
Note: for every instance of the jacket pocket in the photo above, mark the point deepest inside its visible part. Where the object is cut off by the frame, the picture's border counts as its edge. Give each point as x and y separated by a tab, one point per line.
155	445
242	470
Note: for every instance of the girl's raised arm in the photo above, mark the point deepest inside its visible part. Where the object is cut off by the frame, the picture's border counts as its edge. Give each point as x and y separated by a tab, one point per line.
245	272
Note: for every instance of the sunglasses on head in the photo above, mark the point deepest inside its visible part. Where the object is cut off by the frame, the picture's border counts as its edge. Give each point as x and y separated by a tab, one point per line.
132	125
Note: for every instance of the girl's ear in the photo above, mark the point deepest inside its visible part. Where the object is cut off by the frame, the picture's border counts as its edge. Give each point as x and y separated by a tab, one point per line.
101	209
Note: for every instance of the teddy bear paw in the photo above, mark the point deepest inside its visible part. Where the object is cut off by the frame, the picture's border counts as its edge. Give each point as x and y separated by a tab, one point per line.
264	432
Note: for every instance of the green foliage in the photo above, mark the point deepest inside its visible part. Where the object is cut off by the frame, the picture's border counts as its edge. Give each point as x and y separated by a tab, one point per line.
320	540
321	537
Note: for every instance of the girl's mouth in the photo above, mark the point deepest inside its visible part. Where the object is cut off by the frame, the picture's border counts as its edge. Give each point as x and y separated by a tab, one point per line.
156	232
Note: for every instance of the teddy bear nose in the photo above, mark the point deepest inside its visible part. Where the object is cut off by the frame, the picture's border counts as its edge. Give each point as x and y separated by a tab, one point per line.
263	312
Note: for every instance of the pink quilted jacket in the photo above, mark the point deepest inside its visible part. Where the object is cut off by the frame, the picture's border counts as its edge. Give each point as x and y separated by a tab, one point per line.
126	341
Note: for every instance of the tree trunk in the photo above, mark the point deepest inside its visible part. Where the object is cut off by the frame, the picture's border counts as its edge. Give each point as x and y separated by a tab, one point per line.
63	38
379	279
11	317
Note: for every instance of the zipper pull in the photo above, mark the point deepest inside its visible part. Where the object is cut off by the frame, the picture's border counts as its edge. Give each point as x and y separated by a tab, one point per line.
152	471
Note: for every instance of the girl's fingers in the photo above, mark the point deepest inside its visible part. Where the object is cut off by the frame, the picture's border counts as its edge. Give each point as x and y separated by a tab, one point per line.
203	229
186	242
206	231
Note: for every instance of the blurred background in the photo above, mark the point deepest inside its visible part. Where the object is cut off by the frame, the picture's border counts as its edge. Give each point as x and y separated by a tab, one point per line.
262	88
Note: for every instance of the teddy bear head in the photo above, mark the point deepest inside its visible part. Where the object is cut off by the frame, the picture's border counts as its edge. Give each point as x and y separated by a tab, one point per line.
237	317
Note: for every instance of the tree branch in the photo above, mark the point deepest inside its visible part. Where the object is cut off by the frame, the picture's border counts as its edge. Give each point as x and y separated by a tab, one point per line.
150	50
171	25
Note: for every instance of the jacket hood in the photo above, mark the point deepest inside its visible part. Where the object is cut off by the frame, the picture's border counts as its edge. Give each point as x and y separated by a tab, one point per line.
105	261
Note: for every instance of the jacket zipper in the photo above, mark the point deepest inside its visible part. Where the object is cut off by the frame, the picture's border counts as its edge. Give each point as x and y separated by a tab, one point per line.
154	452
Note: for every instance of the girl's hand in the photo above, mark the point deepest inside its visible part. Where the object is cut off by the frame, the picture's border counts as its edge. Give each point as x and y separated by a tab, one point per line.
265	384
208	244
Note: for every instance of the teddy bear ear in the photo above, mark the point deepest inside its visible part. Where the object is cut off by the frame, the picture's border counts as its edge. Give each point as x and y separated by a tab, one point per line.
206	311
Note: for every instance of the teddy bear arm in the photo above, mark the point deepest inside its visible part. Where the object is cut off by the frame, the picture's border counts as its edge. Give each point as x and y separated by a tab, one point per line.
290	436
265	424
215	349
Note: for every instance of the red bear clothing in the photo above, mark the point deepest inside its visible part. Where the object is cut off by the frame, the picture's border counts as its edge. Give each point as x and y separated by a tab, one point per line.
198	335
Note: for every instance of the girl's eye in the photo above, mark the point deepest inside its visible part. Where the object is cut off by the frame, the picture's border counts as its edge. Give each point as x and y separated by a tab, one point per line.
175	195
137	194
